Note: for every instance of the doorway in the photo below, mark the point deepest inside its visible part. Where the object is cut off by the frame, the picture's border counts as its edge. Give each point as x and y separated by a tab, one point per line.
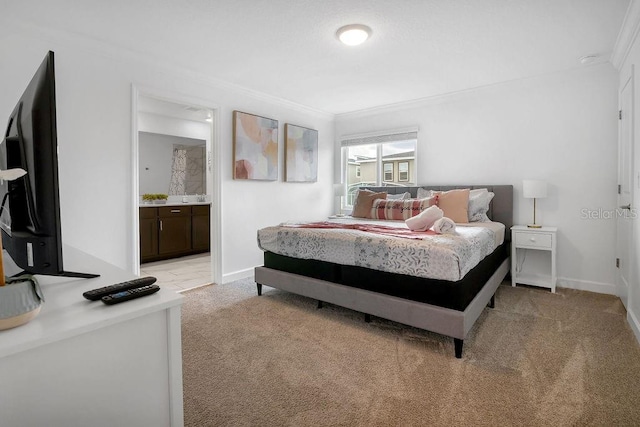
175	152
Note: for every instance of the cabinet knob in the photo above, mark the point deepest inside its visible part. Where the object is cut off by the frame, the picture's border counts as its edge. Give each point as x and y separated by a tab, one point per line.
175	210
533	239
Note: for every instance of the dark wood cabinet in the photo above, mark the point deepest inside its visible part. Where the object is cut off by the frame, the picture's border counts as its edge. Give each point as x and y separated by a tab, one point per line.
173	231
148	233
200	226
174	237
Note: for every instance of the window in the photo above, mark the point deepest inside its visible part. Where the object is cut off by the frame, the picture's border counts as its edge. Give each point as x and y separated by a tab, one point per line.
403	171
381	159
388	171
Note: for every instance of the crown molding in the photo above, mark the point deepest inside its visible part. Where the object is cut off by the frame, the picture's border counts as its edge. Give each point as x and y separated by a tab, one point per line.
454	95
627	35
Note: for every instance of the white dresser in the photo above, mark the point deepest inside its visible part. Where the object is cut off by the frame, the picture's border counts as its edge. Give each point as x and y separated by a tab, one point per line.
83	363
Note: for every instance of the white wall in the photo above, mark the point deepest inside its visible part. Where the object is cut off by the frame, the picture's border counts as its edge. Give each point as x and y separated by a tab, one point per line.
561	128
94	85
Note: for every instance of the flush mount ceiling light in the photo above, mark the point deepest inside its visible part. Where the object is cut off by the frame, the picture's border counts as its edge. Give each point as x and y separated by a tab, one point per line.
353	35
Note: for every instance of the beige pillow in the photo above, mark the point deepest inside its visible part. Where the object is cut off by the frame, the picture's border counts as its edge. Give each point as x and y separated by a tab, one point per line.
455	204
364	202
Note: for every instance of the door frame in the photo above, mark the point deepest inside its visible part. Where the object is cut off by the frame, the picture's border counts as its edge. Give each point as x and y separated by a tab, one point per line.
214	180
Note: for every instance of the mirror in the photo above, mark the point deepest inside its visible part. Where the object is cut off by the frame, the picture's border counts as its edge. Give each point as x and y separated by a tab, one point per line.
173	141
172	165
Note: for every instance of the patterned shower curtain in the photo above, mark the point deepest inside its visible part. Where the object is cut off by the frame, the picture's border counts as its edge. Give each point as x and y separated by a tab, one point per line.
178	171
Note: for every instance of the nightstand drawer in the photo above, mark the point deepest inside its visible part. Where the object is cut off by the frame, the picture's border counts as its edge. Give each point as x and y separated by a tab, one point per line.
536	240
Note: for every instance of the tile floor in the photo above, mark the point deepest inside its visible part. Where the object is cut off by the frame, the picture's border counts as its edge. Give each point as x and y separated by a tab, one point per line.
181	273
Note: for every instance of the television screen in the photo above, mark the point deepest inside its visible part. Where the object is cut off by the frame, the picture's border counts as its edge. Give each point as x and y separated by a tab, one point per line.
30	217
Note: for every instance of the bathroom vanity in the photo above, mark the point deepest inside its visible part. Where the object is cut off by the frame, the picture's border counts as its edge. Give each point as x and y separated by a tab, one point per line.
174	230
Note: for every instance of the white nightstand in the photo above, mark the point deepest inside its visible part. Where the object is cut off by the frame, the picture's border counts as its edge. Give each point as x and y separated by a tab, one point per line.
524	238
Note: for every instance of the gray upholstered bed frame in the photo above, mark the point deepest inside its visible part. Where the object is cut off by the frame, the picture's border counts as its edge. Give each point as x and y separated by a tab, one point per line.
446	321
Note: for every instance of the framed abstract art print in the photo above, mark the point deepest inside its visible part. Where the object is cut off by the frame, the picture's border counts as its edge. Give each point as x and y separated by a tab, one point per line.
255	147
301	154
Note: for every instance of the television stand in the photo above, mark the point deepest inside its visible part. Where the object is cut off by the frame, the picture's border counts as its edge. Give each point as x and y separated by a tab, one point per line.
71	274
76	275
78	357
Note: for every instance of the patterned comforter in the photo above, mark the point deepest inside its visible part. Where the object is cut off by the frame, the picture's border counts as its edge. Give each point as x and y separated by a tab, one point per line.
442	256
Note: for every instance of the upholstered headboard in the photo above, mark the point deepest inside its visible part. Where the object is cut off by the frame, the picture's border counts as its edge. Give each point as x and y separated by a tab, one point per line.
500	209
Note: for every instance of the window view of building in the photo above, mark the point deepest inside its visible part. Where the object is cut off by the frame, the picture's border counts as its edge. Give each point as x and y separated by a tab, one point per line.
388	171
403	171
381	164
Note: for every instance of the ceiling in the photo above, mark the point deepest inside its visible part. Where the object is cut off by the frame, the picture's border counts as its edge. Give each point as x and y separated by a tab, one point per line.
288	48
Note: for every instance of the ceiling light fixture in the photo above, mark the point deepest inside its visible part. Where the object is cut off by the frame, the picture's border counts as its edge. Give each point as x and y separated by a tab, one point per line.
354	34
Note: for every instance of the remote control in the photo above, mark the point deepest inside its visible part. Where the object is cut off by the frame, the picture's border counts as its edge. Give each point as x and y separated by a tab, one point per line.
130	294
96	294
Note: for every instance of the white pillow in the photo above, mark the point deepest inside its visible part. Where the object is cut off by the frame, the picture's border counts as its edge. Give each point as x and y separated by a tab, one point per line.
479	200
423	194
402	196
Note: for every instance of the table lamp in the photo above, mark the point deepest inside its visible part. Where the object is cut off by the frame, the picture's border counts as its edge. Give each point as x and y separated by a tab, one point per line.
534	189
338	191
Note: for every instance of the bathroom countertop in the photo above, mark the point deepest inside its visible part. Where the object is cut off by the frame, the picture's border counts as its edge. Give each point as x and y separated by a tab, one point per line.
154	205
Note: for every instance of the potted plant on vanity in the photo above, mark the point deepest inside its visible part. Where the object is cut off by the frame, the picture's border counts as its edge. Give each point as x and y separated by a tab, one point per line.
20	297
158	199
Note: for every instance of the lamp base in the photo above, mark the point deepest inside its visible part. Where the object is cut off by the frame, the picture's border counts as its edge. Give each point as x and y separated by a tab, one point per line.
534	226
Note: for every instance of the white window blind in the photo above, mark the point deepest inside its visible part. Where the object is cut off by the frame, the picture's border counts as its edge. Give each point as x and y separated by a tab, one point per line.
379	138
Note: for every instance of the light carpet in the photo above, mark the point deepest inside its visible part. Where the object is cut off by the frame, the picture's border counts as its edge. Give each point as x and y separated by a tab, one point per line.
536	359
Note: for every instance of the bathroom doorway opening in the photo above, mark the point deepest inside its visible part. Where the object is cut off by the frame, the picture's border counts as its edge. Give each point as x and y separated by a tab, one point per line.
175	154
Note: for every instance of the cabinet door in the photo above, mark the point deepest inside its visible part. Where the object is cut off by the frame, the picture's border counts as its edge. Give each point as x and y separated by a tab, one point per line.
175	234
148	238
200	224
148	233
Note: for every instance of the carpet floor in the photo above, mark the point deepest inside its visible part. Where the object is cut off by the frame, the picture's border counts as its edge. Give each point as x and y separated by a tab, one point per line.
536	359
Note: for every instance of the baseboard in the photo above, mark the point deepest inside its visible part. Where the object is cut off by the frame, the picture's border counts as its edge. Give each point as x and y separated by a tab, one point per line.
237	275
587	285
634	323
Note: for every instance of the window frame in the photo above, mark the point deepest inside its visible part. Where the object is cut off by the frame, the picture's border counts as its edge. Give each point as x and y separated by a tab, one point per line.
379	139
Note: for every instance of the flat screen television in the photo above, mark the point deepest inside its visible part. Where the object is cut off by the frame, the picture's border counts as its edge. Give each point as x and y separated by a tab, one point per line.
30	209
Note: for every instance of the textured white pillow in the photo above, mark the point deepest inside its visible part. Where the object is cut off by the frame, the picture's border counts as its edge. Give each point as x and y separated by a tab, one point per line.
401	196
423	194
479	200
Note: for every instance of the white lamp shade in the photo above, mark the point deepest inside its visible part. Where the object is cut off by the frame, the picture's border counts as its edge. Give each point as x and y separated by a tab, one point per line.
534	189
338	190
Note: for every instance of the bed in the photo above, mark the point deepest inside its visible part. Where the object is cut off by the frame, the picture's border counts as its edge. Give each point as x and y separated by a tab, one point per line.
448	307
